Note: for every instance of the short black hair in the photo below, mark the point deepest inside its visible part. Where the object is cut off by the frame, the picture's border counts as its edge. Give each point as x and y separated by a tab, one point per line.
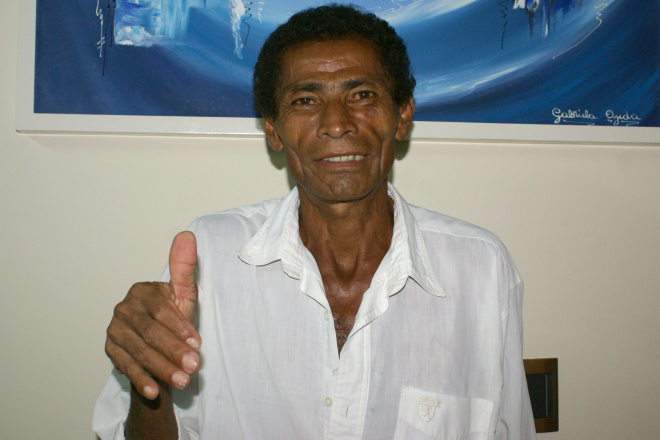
327	23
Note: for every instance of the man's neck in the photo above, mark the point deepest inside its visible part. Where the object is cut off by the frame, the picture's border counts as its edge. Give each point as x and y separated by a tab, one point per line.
347	233
348	242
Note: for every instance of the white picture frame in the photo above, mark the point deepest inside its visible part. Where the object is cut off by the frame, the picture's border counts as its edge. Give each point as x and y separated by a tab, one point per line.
29	122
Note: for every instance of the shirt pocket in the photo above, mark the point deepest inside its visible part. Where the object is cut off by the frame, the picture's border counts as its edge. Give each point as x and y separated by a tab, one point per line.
424	415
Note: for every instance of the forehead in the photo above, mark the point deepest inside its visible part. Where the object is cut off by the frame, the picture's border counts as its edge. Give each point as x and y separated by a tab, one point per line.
328	60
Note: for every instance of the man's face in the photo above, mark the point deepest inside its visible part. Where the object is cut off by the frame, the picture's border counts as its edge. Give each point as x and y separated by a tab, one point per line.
336	120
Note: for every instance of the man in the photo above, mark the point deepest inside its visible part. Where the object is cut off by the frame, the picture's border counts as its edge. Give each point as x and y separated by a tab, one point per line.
339	311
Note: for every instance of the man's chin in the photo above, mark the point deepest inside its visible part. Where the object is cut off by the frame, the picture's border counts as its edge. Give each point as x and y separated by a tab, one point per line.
343	193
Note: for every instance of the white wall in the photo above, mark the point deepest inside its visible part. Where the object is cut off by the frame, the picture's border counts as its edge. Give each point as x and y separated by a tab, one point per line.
83	217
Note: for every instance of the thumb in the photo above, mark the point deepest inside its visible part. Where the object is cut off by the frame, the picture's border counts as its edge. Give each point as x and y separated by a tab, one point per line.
183	259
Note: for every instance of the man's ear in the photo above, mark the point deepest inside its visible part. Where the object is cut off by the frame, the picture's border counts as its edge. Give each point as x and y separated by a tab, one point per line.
272	137
406	111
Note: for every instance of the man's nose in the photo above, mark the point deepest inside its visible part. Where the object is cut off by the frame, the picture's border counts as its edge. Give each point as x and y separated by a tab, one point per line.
336	119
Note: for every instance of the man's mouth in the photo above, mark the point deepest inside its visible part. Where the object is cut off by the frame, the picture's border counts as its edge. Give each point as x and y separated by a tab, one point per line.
349	158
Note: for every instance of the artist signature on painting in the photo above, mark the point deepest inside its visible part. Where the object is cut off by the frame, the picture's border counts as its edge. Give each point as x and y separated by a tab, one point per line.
626	119
573	116
585	117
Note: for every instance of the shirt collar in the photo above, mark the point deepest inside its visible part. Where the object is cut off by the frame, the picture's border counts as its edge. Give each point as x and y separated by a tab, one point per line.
279	239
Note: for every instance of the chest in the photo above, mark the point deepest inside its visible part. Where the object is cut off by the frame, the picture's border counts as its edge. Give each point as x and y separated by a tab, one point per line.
273	375
344	301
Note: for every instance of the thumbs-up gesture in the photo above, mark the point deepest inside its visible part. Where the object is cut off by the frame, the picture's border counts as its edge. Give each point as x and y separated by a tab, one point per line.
183	259
152	331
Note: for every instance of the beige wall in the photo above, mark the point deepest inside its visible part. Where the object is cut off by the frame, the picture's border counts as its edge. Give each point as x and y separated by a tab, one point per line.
82	217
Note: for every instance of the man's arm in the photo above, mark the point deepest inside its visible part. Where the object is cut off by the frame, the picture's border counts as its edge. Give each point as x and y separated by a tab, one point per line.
152	340
151	419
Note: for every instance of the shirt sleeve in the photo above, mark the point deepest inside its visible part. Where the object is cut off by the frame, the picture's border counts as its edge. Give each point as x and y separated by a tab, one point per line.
111	408
113	404
515	420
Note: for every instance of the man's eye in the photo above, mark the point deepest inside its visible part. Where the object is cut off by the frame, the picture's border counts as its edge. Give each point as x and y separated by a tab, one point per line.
364	94
303	101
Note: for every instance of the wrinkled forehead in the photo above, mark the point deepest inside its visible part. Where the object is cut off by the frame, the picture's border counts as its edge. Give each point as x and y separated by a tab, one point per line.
329	56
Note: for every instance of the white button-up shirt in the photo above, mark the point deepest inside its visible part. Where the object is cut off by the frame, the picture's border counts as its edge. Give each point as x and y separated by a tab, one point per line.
435	352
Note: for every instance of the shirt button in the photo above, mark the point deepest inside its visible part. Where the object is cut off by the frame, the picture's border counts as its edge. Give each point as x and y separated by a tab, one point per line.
326	315
328	401
335	371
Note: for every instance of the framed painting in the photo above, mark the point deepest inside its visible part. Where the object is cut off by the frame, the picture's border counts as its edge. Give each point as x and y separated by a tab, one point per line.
529	70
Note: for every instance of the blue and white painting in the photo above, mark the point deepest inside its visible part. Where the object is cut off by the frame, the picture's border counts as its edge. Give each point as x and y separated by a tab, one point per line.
562	62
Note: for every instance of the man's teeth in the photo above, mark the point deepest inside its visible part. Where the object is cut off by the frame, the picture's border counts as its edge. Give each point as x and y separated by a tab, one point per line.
349	158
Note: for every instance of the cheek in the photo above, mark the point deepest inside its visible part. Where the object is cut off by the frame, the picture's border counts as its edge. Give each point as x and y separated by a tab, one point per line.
294	164
382	120
292	158
388	159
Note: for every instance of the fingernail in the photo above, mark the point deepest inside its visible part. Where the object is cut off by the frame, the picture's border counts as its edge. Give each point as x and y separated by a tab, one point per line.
180	379
149	392
189	363
193	343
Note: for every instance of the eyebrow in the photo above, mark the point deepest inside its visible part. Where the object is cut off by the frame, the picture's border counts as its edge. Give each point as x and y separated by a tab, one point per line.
346	85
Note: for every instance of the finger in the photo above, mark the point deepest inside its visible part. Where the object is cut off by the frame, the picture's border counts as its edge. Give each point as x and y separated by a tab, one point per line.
183	259
139	378
138	360
178	325
147	318
166	343
146	301
165	311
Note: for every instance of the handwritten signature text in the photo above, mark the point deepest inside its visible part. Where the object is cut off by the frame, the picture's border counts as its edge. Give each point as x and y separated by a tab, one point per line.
573	116
585	117
626	119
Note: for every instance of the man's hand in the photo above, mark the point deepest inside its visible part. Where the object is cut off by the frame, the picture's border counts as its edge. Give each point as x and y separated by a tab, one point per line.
152	332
